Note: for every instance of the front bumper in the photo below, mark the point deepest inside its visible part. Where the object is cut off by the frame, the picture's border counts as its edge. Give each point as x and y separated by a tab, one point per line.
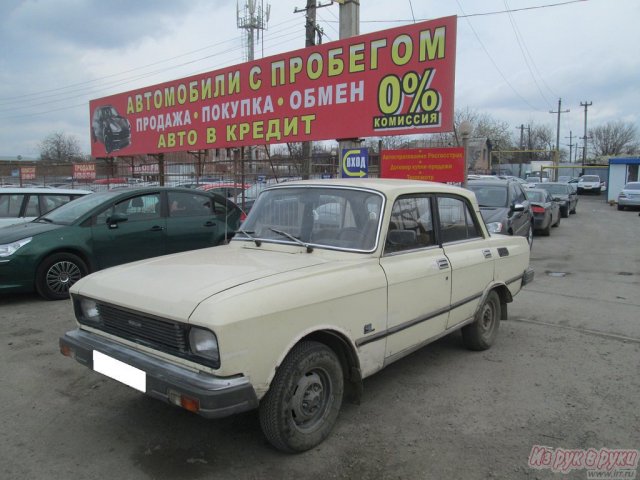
213	397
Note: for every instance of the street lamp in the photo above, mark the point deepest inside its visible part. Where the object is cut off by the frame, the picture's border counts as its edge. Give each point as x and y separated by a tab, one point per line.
465	130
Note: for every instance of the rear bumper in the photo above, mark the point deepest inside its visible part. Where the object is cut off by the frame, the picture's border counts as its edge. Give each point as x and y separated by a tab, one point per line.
527	277
215	397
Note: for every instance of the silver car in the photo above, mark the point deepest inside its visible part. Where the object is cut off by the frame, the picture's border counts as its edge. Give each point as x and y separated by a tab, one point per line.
629	196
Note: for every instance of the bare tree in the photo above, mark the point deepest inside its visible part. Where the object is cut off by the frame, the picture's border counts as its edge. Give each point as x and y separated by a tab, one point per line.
614	138
60	148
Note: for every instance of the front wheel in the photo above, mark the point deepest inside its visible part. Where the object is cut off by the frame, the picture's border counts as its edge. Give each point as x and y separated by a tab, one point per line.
481	334
302	404
57	273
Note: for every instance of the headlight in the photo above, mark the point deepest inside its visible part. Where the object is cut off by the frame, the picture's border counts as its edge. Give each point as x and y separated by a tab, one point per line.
11	248
87	311
204	343
495	227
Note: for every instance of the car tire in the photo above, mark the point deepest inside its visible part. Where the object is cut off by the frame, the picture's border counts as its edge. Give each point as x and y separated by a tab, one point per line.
545	232
57	273
302	404
564	212
481	334
620	207
530	236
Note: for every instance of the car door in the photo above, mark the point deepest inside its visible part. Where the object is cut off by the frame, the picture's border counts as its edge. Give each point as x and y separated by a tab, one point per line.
129	229
195	220
418	276
468	254
520	219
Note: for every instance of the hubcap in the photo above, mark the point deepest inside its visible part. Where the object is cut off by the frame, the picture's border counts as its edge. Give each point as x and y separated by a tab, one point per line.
311	399
487	319
62	275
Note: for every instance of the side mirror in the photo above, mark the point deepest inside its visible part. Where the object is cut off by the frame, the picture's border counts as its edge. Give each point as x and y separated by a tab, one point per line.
518	207
115	219
403	238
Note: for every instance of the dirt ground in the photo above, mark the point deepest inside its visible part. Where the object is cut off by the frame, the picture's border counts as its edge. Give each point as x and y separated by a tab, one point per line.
563	374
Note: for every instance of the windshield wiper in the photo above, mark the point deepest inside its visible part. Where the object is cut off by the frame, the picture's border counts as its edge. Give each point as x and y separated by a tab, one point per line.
248	235
291	237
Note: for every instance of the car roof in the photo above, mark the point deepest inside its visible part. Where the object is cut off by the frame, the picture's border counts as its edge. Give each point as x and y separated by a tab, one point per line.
44	190
387	186
497	181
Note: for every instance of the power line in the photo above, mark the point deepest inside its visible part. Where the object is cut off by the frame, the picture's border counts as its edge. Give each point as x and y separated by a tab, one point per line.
495	65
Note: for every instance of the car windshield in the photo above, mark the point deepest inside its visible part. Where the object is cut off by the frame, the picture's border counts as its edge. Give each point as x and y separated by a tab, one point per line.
557	189
632	186
72	211
536	196
490	195
590	178
325	217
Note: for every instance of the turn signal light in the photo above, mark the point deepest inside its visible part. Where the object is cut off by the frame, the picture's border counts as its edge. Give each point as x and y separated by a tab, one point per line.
184	401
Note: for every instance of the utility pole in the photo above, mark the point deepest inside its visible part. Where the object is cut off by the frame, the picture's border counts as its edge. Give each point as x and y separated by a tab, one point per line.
311	28
571	145
559	112
349	18
586	105
522	128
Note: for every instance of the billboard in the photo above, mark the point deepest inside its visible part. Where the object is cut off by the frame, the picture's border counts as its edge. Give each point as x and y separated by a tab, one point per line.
444	165
392	82
84	171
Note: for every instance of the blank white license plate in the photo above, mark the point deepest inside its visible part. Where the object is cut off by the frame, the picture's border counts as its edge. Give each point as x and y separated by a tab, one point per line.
120	371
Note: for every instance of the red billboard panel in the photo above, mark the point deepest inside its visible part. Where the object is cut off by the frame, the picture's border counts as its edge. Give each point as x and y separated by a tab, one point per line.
27	173
84	171
392	82
444	165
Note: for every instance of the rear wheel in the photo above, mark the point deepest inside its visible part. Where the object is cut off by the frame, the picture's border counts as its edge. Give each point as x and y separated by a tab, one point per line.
57	273
302	404
481	334
530	236
620	207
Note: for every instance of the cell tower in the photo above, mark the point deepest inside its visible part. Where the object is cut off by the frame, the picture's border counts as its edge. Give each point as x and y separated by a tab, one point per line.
253	18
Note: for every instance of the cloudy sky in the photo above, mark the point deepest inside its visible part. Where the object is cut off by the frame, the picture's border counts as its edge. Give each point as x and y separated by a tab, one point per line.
515	58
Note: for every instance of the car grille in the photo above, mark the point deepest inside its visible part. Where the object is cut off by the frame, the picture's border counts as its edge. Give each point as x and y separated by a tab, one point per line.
164	335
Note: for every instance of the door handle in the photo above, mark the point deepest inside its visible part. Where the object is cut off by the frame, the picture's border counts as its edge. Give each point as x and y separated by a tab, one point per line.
157	228
443	264
209	223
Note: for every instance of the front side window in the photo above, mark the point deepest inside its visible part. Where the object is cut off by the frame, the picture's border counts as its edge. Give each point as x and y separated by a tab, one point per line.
411	224
456	220
141	207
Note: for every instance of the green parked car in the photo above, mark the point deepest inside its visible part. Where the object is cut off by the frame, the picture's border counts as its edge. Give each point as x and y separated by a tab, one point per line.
101	230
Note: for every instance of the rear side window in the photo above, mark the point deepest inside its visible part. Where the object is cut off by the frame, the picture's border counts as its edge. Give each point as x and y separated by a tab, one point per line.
186	204
456	220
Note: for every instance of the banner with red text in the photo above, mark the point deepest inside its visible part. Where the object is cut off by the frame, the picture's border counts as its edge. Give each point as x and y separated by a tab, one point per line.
84	171
444	165
393	82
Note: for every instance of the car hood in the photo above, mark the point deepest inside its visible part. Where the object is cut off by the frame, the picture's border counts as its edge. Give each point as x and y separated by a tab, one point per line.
494	214
12	233
172	286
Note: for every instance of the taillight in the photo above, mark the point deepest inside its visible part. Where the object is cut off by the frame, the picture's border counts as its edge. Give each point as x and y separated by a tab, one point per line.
537	209
243	217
